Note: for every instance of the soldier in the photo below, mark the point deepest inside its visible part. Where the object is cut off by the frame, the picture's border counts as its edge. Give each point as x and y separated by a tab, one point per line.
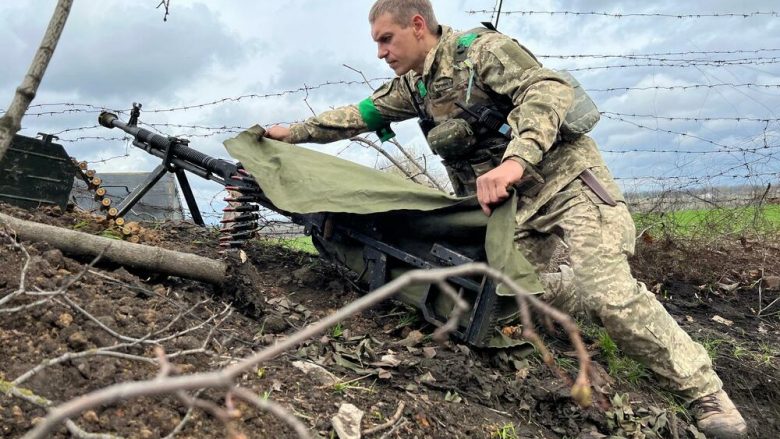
448	79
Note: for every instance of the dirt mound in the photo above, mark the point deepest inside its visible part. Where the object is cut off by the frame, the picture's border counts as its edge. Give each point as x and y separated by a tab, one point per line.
62	340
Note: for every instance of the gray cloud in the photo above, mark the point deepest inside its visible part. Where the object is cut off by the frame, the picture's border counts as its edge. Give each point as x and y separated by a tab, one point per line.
117	51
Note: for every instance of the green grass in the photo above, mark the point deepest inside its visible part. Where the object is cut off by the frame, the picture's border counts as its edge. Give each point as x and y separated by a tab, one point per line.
627	369
506	431
111	234
336	331
342	387
712	346
299	243
711	222
620	366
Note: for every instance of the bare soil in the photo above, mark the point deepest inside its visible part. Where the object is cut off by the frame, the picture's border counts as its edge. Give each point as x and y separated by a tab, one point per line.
381	359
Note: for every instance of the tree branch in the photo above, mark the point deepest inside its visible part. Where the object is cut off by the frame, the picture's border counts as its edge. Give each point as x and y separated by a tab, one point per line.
11	122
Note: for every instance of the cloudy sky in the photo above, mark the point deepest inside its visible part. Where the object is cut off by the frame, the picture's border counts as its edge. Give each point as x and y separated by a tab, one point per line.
686	100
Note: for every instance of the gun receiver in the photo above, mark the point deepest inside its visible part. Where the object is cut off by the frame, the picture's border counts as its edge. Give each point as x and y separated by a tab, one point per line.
380	257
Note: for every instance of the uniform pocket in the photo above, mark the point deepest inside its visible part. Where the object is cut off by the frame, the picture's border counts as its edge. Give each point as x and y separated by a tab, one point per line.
618	224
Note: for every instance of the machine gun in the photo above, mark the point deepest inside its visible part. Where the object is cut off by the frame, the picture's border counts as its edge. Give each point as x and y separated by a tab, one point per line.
380	256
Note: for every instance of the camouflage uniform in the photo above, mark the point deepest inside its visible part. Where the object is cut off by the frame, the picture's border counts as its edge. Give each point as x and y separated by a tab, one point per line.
487	67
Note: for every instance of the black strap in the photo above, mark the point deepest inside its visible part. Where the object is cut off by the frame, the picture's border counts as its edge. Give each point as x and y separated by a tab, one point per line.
426	122
415	100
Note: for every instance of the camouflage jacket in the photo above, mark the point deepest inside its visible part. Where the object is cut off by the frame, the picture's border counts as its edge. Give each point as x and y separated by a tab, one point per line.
478	66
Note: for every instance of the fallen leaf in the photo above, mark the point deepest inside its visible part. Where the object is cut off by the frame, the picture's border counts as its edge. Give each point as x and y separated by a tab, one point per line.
426	378
452	397
422	421
413	339
388	360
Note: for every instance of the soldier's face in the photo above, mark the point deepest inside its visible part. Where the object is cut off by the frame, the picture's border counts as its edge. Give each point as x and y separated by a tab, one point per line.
401	47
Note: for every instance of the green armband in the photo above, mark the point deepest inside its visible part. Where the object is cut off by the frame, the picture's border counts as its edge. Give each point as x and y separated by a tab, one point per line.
374	120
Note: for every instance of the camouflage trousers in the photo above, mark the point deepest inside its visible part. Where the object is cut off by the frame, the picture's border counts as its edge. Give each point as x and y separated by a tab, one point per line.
599	239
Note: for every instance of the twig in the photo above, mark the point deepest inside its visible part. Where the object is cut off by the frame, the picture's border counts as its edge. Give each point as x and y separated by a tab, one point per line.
395	427
224	378
180	426
387	155
107	351
760	294
40	401
275	409
460	307
390	422
23	275
397	144
423	169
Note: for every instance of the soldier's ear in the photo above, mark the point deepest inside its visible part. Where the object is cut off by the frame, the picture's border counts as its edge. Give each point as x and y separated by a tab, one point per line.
419	25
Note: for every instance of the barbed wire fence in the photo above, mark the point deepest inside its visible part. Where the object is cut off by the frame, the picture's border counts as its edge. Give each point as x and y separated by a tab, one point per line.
718	166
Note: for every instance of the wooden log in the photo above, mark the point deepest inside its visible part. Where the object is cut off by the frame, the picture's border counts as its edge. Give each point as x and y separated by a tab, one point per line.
125	253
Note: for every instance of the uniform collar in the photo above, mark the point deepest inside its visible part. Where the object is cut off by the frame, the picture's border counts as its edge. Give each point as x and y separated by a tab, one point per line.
430	59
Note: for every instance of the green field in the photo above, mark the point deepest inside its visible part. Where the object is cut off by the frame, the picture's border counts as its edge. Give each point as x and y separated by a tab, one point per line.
712	222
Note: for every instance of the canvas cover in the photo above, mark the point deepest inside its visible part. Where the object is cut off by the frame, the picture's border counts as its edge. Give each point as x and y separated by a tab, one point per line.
402	213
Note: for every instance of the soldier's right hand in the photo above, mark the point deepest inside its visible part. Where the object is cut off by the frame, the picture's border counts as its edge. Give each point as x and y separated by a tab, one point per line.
278	132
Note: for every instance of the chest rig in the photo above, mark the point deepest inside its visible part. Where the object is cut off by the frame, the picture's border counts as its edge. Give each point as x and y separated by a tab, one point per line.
463	121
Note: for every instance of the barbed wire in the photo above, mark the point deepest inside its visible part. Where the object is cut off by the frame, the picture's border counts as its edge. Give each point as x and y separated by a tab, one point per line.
82	138
766	151
754	150
304	89
90	108
699	179
692	61
687	64
657	54
633	14
692	119
685	87
678	133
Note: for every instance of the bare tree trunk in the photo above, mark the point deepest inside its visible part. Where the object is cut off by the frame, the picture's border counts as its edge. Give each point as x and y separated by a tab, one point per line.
11	122
133	255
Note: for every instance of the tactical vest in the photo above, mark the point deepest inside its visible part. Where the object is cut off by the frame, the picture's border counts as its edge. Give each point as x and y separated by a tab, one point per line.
467	148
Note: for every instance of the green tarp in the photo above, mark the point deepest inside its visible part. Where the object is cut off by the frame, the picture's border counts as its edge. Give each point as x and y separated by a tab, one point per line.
299	180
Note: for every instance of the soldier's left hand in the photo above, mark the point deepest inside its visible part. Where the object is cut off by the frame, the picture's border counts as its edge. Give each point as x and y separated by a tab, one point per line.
492	186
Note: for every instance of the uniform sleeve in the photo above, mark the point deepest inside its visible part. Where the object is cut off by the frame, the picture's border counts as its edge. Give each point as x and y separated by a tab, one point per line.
540	96
390	103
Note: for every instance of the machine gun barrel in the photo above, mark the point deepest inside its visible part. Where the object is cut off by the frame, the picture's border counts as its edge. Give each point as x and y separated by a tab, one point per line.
176	150
177	157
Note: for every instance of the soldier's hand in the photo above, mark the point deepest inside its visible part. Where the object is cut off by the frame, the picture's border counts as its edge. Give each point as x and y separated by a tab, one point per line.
278	132
492	186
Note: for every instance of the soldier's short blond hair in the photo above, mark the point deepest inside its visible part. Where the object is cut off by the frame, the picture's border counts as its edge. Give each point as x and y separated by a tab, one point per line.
403	11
